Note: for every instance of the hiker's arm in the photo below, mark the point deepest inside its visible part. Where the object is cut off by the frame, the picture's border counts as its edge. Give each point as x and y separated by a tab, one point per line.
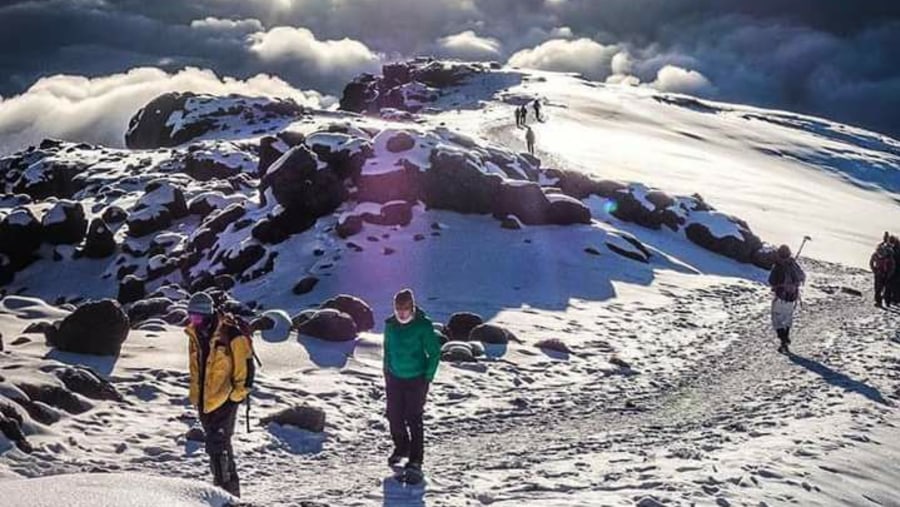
432	351
386	351
241	354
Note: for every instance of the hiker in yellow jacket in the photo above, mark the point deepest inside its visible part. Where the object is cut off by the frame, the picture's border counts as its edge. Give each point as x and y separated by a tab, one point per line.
221	367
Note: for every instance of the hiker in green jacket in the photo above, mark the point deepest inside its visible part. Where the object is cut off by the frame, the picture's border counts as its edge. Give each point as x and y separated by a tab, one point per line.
412	352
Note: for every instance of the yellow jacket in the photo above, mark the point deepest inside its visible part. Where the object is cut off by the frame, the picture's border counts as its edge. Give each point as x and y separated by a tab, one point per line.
224	376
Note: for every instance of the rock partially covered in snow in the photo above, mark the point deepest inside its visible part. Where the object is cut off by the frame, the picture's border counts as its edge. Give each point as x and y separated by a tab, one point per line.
49	177
100	241
176	118
724	235
458	352
355	307
131	289
20	236
98	327
461	325
64	223
86	382
406	86
628	246
280	326
301	186
161	203
329	325
303	417
492	334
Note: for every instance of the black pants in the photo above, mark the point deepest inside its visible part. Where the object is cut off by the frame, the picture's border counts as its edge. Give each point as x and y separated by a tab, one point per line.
784	334
880	289
219	427
405	406
892	290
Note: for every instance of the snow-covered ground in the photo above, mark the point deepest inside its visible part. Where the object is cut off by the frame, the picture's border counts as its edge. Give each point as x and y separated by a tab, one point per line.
671	393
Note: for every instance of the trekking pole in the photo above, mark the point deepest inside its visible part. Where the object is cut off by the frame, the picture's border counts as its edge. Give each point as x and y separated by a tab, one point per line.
805	239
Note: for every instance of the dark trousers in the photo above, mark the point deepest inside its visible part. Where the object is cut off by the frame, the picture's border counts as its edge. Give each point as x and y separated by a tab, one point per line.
405	406
784	334
218	426
892	290
880	289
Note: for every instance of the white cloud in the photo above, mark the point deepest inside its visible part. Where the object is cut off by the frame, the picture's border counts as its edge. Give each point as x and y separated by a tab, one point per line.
97	110
468	45
227	27
678	80
585	56
299	47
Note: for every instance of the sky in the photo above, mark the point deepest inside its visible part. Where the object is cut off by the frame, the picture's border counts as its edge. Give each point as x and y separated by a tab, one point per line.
78	69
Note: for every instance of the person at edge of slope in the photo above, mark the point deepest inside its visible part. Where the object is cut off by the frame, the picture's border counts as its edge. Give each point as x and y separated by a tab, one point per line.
529	139
523	113
221	366
537	110
518	117
412	352
882	265
785	280
894	282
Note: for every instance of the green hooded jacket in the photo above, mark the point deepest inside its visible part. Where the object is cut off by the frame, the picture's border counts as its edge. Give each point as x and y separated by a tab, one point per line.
411	350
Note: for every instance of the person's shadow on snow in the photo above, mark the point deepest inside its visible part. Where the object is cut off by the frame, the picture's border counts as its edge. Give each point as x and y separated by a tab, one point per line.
397	494
839	379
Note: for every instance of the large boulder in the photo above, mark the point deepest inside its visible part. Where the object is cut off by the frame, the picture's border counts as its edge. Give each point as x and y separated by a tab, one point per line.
355	307
49	178
632	205
97	327
144	309
64	223
491	334
204	166
131	289
392	213
725	236
100	241
301	186
20	236
241	258
404	184
456	182
329	325
161	203
565	210
345	154
176	118
303	417
523	199
461	324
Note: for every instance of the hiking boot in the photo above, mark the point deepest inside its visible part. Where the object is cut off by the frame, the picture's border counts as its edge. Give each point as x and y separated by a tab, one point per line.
412	473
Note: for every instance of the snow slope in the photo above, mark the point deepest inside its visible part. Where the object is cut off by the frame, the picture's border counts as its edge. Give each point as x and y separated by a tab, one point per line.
788	175
670	392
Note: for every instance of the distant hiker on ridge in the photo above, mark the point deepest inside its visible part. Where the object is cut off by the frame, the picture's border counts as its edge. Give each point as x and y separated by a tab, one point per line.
882	265
529	139
785	280
537	110
412	352
221	373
